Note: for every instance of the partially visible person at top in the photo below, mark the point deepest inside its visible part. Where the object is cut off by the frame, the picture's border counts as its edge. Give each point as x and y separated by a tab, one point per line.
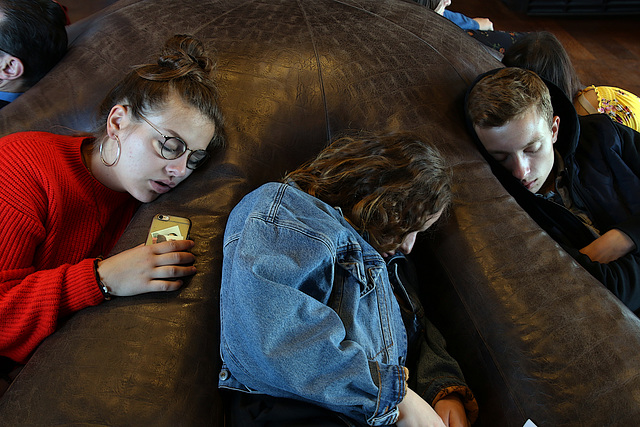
542	53
312	331
33	39
578	177
480	29
65	200
462	21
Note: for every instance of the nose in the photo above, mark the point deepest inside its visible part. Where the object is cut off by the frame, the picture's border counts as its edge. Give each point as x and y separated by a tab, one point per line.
408	242
520	168
178	167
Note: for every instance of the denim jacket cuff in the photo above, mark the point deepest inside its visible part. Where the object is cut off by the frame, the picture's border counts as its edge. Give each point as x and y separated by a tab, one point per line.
392	388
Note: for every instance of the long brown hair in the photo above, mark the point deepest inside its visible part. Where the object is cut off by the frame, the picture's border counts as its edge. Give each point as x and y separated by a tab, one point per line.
183	68
387	186
542	53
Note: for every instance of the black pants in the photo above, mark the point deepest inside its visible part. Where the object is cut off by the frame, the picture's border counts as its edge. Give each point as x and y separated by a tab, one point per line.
498	40
244	410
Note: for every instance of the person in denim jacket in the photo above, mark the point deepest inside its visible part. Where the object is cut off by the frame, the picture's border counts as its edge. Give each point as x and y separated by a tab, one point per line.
311	331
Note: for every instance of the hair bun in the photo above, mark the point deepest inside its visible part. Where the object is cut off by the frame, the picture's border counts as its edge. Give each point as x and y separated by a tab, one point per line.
183	55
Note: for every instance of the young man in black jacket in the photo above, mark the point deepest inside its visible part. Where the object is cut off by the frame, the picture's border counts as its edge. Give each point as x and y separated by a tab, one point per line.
578	177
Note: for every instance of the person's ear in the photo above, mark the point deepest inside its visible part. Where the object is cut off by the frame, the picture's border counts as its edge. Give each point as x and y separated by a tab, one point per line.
11	68
116	120
555	127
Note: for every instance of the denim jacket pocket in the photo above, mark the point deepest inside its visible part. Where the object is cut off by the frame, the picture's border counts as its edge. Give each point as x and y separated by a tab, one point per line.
363	298
353	264
374	274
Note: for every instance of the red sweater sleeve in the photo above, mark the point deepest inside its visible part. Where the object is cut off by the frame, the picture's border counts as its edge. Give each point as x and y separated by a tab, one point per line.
31	302
55	218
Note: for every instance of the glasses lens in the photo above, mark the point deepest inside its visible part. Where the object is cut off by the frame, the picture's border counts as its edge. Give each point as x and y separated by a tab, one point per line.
197	158
173	148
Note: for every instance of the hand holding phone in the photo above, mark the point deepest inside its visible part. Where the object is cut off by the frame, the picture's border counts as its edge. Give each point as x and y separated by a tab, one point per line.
168	227
150	267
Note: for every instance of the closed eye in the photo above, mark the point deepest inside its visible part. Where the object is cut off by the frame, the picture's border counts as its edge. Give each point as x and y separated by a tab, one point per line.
532	150
501	158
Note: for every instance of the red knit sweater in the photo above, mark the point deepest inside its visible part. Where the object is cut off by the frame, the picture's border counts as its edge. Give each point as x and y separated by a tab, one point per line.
55	219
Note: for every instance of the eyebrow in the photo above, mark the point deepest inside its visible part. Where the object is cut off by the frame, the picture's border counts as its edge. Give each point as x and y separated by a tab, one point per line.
169	133
174	135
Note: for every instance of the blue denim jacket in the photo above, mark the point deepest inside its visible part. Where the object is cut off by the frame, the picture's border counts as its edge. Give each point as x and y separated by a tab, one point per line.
307	310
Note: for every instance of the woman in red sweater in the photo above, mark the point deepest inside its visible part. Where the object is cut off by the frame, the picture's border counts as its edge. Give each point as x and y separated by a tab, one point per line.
65	201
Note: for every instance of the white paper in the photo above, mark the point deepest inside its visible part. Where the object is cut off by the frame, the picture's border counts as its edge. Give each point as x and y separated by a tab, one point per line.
170	233
529	423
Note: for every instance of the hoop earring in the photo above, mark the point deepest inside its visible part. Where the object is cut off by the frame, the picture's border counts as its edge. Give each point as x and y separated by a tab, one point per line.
104	162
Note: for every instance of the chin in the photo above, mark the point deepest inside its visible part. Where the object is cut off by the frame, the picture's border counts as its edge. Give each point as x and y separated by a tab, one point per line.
146	198
536	190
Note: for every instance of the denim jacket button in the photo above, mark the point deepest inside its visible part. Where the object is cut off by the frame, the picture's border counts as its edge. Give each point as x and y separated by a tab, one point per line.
224	375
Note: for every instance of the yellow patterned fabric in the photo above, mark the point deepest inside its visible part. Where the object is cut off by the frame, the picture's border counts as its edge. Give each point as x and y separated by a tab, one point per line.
619	104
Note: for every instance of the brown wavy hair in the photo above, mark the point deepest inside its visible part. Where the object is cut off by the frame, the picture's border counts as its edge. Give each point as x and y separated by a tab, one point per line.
183	68
387	186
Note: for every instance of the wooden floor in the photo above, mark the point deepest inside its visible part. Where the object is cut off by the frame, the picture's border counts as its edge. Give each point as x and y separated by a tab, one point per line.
604	50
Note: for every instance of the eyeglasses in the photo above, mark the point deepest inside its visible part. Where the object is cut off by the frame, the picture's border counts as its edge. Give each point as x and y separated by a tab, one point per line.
173	147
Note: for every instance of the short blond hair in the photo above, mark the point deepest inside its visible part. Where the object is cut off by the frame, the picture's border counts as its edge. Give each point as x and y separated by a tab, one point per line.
509	93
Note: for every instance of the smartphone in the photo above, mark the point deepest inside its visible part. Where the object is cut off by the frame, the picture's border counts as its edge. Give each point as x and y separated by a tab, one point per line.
168	227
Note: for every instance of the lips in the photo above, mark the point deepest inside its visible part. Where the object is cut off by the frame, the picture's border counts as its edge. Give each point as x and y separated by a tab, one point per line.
529	184
162	187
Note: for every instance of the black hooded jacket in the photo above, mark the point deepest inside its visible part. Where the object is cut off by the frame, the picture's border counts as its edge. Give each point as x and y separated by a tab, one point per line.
602	174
